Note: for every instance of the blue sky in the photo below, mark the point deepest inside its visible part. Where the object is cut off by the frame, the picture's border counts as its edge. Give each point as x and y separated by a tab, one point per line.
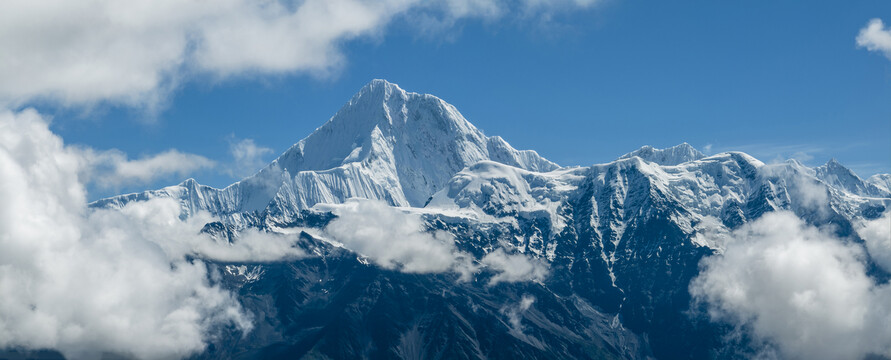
579	85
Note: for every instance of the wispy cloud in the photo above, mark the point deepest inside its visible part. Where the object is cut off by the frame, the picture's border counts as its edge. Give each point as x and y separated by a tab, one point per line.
113	169
867	169
247	157
707	149
515	315
774	153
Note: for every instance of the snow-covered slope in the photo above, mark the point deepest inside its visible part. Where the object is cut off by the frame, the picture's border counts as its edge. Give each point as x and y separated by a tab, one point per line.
883	181
385	144
836	175
721	191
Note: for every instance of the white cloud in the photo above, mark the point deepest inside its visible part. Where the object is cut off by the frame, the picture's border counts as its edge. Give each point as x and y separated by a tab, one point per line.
112	168
875	37
393	239
178	237
514	267
533	6
87	282
515	314
877	235
247	157
135	52
798	288
396	240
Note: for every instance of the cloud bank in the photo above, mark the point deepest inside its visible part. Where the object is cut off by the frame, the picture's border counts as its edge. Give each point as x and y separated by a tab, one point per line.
136	52
875	37
87	282
798	288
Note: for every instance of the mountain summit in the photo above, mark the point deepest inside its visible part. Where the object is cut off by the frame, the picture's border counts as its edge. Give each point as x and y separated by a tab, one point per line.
835	174
385	143
413	142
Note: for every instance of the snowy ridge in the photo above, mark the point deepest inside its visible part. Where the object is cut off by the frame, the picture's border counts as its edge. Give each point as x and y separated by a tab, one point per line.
415	150
703	200
674	155
840	177
499	191
722	192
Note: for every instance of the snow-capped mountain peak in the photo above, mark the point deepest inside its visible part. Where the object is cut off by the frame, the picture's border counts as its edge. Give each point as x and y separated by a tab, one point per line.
385	143
674	155
837	175
883	181
415	142
410	149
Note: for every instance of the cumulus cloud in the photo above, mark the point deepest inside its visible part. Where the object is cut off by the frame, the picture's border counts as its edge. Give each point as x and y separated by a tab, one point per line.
87	282
393	239
875	37
135	52
877	235
247	157
797	288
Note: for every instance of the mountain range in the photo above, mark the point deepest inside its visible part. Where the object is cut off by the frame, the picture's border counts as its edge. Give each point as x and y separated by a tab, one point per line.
621	241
